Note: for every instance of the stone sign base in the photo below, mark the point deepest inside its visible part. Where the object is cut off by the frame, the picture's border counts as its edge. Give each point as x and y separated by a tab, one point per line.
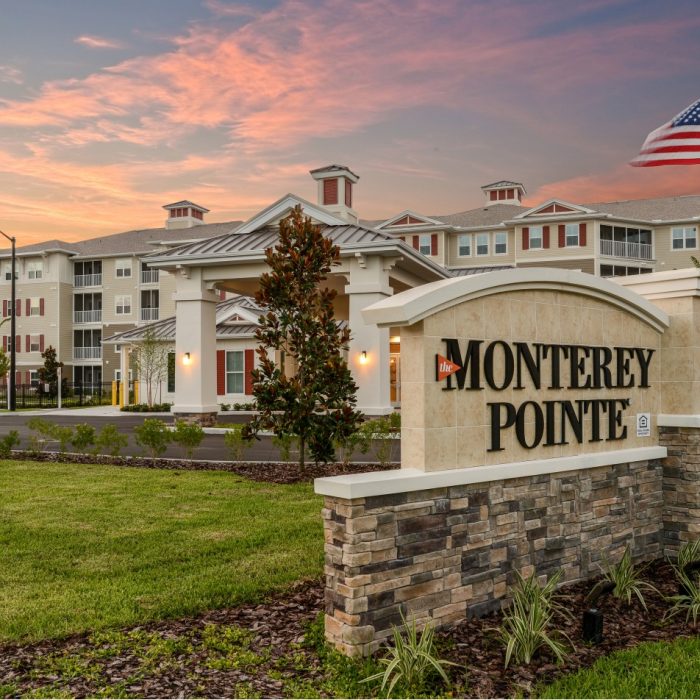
446	553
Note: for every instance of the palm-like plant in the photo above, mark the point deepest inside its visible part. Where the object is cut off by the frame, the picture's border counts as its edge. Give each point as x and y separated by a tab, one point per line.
626	579
689	600
688	553
411	661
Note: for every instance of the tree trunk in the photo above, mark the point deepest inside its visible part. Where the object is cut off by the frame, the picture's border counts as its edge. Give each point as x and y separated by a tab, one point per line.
301	452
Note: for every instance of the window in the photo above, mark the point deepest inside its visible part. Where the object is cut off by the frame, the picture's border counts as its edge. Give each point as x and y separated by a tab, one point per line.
7	342
7	270
685	237
424	245
34	377
465	245
482	243
123	304
571	235
34	343
535	237
149	305
122	268
500	243
34	306
35	269
234	372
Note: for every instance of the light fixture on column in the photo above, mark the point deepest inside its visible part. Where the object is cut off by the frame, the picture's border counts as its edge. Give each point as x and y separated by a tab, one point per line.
186	359
363	357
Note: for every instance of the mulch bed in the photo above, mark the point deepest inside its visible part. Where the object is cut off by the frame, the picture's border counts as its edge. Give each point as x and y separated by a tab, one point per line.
277	629
275	472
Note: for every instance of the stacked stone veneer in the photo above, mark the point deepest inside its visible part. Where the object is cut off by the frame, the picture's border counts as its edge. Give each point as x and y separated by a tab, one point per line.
681	484
444	554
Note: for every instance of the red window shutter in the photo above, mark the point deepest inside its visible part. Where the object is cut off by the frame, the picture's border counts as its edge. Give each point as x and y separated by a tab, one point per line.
433	244
545	236
582	234
220	372
526	238
249	366
511	194
41	306
4	343
416	242
18	378
562	236
41	343
18	307
18	343
330	191
4	308
27	342
28	307
27	377
493	195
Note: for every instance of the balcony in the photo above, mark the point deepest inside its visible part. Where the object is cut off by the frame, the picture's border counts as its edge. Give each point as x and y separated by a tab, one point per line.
149	276
87	280
87	353
94	316
149	314
623	249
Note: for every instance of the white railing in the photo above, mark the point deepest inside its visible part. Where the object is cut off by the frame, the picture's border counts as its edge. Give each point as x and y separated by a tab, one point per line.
149	314
87	316
149	276
87	353
87	280
623	249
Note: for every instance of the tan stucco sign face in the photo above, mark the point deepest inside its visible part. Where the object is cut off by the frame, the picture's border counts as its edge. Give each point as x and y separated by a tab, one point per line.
521	365
474	365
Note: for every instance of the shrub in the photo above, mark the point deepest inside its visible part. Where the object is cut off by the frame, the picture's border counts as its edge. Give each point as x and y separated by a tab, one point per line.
110	441
688	600
689	553
236	442
153	435
145	408
626	578
378	434
225	406
189	436
411	663
285	444
527	624
8	443
45	432
83	438
63	434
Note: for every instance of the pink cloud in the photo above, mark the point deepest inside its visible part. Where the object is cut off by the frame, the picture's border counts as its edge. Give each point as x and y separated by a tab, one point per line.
98	42
11	74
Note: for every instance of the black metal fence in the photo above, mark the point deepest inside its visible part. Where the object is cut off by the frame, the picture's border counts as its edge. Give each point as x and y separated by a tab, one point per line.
73	394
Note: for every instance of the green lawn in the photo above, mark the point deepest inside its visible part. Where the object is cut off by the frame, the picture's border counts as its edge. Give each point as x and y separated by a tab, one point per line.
651	670
85	547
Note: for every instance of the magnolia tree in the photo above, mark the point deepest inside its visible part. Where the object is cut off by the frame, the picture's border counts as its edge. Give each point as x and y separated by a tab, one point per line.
317	404
151	363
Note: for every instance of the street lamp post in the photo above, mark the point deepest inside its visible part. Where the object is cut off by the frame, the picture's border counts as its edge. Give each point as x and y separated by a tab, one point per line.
13	329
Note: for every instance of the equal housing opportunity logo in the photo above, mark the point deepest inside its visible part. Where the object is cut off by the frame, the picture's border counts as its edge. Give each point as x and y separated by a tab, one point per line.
549	367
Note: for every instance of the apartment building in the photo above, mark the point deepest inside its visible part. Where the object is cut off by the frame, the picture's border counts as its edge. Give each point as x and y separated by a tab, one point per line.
72	295
608	239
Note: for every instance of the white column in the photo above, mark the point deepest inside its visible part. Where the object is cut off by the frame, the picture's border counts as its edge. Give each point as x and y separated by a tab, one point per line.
369	283
195	333
124	369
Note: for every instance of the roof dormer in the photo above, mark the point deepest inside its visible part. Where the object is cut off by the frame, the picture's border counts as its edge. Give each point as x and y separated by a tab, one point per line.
335	183
184	214
504	192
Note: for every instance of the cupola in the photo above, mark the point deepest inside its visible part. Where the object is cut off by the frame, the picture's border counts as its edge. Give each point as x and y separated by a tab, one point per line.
335	183
184	214
504	192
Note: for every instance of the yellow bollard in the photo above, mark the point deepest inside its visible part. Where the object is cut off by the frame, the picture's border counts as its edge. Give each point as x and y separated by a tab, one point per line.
114	393
136	391
121	393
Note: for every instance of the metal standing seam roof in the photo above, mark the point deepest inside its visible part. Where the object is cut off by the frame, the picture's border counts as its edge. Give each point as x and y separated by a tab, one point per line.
267	237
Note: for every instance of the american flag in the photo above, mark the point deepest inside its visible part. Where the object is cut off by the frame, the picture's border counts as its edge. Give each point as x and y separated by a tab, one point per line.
675	143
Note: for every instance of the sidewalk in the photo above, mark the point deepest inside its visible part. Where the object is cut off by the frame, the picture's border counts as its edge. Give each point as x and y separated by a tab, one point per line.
102	411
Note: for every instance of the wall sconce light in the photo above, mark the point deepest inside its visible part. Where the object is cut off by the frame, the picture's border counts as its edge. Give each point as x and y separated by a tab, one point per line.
186	359
363	357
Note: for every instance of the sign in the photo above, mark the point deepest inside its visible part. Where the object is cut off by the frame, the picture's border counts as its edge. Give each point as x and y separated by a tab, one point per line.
549	367
643	424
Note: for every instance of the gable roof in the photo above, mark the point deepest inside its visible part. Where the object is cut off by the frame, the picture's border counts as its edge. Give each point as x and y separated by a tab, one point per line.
652	210
282	207
503	183
408	217
554	207
185	203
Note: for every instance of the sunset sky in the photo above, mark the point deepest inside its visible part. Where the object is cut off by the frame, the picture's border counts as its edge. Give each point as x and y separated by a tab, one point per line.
110	109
